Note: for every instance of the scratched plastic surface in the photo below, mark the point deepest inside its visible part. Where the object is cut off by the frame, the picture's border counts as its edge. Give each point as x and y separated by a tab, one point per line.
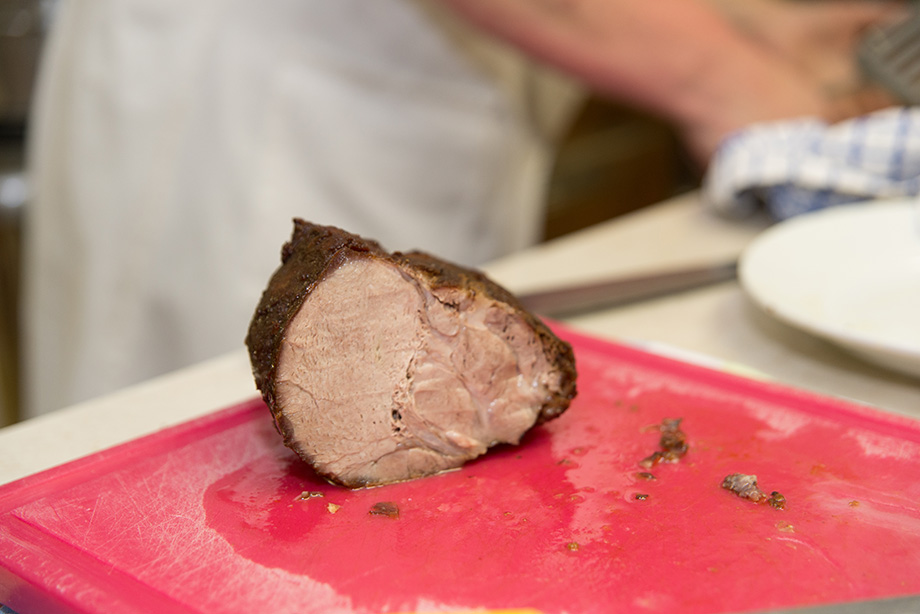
208	516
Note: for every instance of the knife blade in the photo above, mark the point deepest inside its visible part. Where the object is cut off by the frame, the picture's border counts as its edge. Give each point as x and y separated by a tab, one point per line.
581	298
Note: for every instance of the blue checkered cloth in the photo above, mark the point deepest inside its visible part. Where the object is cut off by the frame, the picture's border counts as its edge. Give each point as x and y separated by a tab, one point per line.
796	166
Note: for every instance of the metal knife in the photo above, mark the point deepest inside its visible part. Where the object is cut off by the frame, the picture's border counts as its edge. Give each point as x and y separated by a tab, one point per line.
581	298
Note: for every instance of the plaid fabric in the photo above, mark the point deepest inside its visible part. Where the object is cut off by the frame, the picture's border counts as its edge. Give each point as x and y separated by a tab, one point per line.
796	166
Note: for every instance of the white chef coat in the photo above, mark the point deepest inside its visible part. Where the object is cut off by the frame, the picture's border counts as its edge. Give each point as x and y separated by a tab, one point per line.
173	141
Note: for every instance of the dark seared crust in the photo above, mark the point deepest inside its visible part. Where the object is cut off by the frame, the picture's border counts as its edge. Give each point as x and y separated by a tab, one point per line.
441	274
315	251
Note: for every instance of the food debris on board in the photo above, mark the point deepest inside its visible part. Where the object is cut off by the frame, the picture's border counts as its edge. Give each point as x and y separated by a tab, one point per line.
673	444
385	508
745	486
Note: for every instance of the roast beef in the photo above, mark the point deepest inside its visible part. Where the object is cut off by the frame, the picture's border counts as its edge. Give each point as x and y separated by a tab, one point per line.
381	367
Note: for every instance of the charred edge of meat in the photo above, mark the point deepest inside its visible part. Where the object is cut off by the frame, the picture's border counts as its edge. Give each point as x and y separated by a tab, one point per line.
745	486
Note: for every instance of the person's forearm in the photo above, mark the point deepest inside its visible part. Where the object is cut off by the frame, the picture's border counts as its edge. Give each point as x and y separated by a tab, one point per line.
676	57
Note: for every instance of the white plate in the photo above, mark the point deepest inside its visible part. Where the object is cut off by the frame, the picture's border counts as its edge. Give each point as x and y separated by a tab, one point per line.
849	274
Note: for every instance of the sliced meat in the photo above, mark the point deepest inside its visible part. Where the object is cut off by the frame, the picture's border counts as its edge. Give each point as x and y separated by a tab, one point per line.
382	367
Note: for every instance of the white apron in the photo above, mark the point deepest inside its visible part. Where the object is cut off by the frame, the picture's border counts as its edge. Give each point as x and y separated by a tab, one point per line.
173	141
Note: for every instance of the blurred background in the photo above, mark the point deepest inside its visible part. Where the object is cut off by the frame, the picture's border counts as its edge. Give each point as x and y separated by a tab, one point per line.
23	24
611	161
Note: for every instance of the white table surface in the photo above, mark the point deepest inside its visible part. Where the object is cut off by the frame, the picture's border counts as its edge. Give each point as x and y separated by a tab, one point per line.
717	323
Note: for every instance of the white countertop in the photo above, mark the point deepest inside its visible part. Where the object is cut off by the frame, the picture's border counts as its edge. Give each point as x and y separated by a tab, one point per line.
717	322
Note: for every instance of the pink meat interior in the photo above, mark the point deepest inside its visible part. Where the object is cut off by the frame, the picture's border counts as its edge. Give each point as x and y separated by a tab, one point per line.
381	378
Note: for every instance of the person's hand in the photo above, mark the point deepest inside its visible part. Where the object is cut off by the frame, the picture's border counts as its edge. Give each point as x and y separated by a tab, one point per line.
685	60
764	89
776	92
819	37
809	65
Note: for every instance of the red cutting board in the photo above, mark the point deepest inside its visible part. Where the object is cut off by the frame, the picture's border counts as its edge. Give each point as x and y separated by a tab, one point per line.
207	516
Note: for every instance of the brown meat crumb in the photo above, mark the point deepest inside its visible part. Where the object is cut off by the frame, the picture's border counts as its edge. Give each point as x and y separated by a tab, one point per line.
385	508
673	444
745	486
777	500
